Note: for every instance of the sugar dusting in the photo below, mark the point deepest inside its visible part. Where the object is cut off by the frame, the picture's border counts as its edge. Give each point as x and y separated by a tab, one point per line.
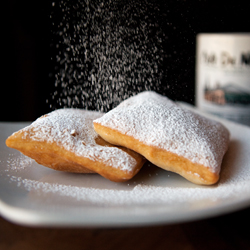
73	130
234	182
18	164
79	82
157	121
106	51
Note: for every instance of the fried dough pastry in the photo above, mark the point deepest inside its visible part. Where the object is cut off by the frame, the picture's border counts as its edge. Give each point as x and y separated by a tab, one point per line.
65	140
169	136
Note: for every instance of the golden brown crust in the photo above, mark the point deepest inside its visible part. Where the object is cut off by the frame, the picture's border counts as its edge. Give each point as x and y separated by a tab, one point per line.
65	140
56	157
47	154
194	172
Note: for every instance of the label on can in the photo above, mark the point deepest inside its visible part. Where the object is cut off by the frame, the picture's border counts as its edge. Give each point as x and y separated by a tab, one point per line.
223	75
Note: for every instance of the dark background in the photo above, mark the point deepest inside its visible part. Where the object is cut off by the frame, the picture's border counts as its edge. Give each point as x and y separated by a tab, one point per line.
27	73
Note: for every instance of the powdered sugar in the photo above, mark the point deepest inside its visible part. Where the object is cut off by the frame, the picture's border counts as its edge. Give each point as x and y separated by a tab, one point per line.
231	186
18	163
105	51
140	194
150	186
157	121
73	130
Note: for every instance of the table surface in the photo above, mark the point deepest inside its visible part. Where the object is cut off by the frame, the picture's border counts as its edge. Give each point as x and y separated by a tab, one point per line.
224	232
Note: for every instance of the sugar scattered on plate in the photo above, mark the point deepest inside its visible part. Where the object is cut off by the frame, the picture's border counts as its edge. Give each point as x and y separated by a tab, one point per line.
140	194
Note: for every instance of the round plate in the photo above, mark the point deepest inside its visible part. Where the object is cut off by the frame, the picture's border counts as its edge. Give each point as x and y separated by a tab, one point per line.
31	194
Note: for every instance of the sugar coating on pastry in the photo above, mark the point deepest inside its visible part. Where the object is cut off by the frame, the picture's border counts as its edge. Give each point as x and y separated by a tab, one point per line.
66	140
155	126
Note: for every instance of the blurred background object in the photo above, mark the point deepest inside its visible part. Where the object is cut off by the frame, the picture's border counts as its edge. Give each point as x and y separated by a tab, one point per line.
223	75
30	48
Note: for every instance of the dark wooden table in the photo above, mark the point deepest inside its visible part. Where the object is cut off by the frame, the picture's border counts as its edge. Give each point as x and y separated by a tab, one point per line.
227	232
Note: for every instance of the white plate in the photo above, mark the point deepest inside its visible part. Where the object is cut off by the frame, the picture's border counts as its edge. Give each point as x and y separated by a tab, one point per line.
31	194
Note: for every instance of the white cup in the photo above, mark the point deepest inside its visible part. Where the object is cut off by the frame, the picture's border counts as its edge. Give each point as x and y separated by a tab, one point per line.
223	75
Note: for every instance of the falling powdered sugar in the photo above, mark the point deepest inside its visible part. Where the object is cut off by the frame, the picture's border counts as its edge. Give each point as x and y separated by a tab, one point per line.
105	51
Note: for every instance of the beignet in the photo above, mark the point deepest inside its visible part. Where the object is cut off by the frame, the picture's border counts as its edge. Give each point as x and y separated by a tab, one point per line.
66	140
167	135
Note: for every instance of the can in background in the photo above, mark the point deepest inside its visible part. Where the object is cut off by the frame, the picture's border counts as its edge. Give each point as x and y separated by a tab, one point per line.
223	75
